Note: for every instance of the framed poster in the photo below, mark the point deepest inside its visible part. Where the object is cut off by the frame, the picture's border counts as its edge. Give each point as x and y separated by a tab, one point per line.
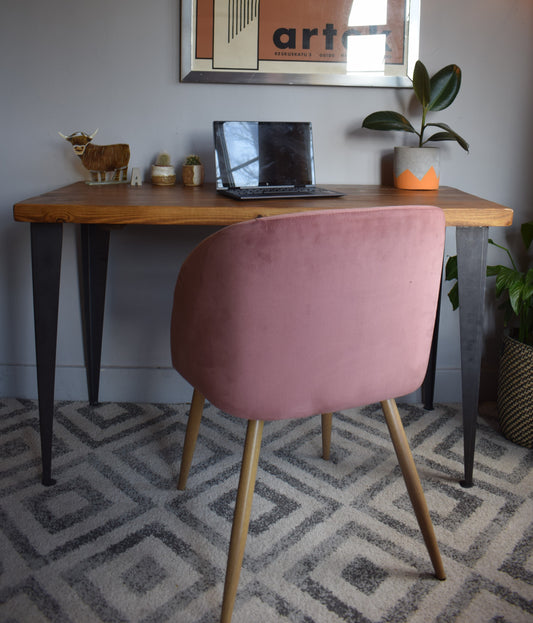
333	42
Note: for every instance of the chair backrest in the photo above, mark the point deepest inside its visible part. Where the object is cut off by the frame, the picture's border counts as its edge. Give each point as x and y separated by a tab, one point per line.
293	315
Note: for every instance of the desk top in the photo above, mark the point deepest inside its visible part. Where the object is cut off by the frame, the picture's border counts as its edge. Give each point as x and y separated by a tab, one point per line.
121	204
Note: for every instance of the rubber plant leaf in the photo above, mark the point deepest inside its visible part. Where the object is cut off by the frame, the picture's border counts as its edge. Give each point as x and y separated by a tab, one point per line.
447	135
387	120
444	87
421	83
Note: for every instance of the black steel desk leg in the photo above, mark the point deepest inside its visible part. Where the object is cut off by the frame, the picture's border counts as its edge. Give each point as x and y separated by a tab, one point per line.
94	252
471	268
428	386
46	242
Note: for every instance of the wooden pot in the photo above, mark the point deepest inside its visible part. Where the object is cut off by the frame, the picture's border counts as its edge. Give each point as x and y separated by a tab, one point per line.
192	174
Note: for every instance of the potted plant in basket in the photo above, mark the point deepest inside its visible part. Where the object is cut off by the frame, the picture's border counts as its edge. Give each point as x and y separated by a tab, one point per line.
515	374
192	171
417	168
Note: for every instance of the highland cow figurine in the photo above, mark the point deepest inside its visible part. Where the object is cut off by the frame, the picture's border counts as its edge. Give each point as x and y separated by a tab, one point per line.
101	159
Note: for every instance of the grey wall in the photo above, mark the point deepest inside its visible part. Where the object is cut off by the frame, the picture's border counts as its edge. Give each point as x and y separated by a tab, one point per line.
69	65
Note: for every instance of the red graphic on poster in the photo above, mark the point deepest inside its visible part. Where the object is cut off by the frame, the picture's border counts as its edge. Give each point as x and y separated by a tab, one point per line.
298	30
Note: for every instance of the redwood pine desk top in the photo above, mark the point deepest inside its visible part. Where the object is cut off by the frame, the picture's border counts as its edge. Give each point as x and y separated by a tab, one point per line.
122	204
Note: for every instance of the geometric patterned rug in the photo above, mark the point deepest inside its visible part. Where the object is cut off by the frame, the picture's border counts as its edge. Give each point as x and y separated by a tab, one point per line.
329	542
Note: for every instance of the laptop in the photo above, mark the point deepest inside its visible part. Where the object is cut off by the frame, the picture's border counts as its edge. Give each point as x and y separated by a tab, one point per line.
266	160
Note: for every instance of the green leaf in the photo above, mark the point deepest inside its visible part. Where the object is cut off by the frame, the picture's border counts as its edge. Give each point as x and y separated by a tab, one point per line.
507	278
447	135
527	233
421	84
451	268
453	295
493	271
528	287
387	120
515	295
444	87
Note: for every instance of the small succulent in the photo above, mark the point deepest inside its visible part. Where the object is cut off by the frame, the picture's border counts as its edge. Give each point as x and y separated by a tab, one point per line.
193	159
163	159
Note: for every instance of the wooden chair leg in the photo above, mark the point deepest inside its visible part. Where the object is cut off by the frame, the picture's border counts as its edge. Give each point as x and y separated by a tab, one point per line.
191	435
326	435
241	517
412	481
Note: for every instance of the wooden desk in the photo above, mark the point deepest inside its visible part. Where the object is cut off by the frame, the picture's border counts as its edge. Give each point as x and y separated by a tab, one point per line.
97	206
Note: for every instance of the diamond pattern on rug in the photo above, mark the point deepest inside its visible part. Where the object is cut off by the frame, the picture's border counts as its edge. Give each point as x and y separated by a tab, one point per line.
364	575
329	542
89	500
106	422
147	575
20	445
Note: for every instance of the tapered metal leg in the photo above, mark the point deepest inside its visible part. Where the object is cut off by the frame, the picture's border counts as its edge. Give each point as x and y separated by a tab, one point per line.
241	518
412	482
46	243
428	386
471	268
191	435
94	255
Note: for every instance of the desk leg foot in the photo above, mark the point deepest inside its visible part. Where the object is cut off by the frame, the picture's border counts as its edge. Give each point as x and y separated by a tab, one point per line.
46	242
471	268
466	485
94	253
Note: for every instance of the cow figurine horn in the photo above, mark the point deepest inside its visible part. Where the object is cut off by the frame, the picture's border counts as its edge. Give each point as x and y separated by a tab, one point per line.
94	133
62	135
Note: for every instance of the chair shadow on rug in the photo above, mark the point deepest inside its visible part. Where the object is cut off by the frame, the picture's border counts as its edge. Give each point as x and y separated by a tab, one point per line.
294	315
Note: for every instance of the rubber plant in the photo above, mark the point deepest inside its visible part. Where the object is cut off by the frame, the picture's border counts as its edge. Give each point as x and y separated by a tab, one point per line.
433	94
514	284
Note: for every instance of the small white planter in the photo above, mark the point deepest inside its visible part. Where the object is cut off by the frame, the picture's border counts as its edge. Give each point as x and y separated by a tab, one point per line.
416	168
163	175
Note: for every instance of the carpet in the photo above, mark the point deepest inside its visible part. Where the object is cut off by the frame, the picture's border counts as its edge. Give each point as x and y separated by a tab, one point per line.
329	542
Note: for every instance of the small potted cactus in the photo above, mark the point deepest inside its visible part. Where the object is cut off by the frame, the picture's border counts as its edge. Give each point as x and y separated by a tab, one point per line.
163	173
193	171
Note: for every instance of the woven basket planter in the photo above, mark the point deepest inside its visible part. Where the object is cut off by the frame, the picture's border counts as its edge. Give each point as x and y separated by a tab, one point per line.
515	392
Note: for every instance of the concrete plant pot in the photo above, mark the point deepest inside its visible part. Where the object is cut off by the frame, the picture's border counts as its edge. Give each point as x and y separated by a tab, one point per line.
416	168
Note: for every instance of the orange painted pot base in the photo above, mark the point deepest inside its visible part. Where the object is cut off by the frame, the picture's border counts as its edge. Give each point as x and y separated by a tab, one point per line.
409	181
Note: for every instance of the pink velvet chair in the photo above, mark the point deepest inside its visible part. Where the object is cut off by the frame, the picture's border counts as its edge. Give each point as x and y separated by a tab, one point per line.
302	314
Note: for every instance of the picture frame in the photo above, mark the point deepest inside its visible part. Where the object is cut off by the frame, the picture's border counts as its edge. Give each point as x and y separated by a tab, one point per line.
302	42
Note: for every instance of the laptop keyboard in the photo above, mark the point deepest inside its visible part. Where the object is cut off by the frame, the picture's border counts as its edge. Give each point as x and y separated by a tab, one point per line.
279	191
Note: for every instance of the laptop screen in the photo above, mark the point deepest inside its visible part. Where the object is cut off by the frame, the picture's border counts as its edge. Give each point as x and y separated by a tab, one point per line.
263	153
